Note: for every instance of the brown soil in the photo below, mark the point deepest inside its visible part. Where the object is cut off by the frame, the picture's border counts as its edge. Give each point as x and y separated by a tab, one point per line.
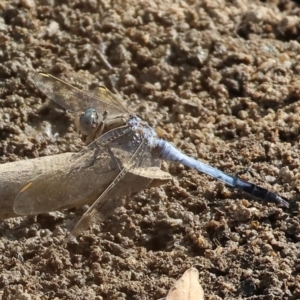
220	80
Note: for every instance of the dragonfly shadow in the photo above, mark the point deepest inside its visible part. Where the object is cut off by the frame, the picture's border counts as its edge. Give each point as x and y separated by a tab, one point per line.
29	226
159	237
160	242
52	114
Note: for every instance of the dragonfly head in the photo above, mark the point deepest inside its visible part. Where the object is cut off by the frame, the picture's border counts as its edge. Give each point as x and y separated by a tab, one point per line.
87	122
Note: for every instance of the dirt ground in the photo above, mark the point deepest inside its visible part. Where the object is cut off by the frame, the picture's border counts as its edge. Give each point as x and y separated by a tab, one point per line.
218	79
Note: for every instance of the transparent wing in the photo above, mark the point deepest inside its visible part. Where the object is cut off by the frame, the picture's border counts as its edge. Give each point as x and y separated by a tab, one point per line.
83	178
129	180
75	100
80	180
77	182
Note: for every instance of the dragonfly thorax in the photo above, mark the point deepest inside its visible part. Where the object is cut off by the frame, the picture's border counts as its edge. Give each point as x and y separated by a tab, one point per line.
142	130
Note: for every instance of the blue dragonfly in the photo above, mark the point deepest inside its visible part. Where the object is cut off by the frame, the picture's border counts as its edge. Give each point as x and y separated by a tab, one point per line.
123	156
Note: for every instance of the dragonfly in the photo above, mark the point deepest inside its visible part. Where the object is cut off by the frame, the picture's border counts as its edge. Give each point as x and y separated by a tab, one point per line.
123	156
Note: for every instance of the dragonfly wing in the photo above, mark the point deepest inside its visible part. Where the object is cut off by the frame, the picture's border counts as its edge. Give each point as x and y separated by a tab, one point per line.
125	183
75	100
105	207
112	103
105	170
79	181
132	153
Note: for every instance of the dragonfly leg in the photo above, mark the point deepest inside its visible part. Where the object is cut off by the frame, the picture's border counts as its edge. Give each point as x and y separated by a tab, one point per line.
93	159
244	171
113	157
90	162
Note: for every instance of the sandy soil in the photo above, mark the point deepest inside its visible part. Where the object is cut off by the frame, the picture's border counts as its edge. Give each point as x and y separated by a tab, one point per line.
221	81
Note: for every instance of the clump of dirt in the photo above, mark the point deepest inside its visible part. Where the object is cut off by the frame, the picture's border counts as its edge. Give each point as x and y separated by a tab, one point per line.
218	79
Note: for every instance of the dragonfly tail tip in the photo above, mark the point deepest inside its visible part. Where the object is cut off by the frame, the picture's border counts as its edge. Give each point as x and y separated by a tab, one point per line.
283	202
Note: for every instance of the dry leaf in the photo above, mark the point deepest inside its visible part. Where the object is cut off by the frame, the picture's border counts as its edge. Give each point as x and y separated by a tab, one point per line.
187	287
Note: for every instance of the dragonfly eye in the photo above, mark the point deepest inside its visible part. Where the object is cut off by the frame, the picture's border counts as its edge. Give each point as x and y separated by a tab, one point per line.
88	121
